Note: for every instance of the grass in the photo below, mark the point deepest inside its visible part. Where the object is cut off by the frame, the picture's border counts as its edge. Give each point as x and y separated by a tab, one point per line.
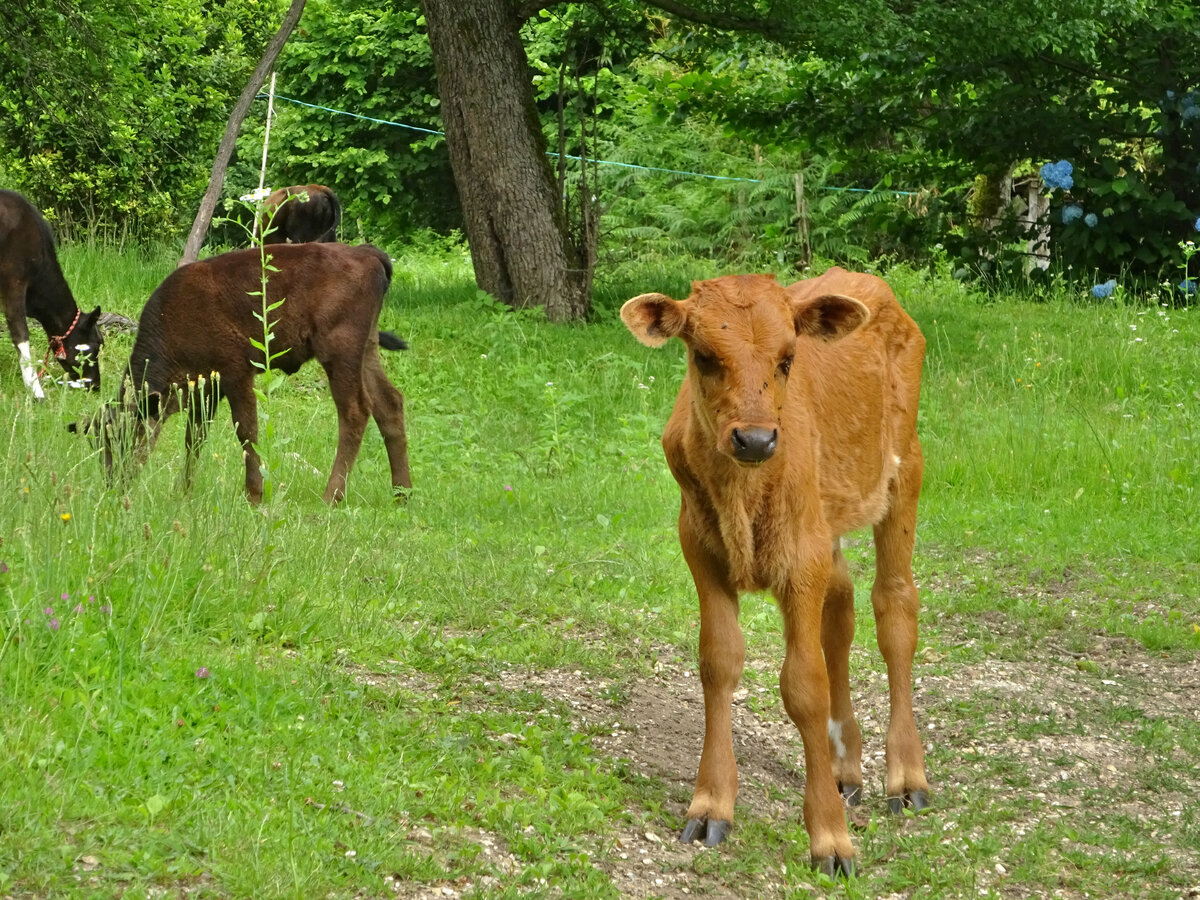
373	700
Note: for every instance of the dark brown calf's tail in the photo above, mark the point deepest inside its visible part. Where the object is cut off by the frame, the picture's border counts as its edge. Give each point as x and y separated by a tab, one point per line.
390	341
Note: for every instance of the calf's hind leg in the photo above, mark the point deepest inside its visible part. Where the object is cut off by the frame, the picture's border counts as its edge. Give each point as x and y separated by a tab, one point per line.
894	598
387	407
353	409
837	634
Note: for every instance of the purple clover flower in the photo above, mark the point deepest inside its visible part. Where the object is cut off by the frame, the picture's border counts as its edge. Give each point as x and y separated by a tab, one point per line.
1072	213
4	565
1106	289
203	672
1057	175
53	623
49	610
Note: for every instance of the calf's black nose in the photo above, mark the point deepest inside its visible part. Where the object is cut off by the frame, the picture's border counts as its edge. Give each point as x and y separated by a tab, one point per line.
754	445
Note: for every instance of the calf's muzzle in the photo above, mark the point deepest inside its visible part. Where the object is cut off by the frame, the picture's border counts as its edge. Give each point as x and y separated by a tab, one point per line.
754	444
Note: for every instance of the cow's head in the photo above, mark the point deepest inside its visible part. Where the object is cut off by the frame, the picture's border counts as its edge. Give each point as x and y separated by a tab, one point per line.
741	333
78	351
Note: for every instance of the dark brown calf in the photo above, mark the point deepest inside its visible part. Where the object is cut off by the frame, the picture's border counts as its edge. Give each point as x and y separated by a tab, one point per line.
32	285
194	347
795	424
303	212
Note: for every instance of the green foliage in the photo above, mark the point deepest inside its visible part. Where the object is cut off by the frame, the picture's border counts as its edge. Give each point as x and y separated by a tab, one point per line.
1138	225
109	114
374	61
931	95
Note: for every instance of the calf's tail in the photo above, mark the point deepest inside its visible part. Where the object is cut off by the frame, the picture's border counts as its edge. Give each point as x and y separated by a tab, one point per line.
390	341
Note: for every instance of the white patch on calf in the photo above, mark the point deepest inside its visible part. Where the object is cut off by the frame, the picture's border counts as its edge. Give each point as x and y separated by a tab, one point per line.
28	372
835	736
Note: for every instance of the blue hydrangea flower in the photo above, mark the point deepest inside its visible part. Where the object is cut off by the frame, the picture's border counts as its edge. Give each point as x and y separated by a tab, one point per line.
1106	289
1188	286
1197	224
1190	112
1057	175
1071	213
1090	220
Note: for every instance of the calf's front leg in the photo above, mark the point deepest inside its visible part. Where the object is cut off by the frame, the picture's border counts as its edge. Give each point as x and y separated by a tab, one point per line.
804	685
244	409
18	329
722	656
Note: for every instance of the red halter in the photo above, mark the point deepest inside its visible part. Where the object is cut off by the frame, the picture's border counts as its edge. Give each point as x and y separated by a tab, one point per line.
57	345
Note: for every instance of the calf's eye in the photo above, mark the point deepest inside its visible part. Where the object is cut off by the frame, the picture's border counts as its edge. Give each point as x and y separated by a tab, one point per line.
706	363
785	365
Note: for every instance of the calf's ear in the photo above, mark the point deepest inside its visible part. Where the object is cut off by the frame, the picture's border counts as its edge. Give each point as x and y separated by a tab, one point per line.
653	318
830	316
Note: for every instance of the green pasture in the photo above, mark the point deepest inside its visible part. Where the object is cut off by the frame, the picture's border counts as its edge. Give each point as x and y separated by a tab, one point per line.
204	699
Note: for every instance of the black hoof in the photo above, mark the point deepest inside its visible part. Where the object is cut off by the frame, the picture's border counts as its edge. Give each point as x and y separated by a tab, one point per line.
917	801
851	793
711	831
833	866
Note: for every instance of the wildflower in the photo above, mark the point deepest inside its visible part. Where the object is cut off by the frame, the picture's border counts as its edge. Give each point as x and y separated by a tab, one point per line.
53	623
1188	286
3	568
66	517
1090	220
202	672
261	193
106	609
77	608
65	596
1106	289
1058	175
508	487
1071	213
49	610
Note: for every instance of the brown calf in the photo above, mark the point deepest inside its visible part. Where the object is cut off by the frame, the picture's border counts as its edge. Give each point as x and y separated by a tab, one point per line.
312	212
194	347
795	424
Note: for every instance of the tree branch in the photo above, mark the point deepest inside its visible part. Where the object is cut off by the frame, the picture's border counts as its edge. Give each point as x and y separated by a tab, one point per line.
771	28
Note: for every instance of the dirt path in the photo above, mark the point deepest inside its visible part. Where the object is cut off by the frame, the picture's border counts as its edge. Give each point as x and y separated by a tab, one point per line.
1033	741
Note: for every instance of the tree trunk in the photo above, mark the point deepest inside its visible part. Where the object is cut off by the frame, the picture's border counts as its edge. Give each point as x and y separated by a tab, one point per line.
512	212
191	252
